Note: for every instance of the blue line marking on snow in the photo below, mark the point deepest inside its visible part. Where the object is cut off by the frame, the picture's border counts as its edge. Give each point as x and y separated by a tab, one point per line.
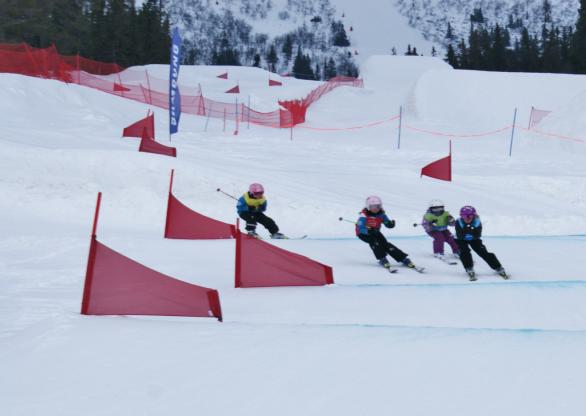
560	284
574	237
422	328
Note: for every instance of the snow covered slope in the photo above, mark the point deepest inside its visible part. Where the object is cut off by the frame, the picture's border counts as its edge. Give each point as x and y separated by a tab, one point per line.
372	343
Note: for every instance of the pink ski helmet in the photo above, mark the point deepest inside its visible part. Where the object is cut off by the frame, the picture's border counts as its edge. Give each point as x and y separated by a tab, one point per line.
373	201
467	211
256	189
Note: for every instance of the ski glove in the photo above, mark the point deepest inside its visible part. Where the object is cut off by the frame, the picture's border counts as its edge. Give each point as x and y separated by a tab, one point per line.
390	224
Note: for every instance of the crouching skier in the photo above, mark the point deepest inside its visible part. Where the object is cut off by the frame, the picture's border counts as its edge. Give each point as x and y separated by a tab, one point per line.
251	207
468	235
368	230
436	222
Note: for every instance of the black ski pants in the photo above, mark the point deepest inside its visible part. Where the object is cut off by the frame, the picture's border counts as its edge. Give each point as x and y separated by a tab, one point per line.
480	249
381	247
252	218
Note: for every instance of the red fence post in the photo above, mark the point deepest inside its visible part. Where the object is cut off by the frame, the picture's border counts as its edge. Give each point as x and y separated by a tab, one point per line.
169	204
237	277
89	274
149	86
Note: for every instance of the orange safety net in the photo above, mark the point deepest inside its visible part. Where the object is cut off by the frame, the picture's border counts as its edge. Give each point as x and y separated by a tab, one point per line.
139	86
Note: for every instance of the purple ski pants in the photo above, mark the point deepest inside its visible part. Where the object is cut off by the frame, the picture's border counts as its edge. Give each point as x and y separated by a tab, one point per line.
441	237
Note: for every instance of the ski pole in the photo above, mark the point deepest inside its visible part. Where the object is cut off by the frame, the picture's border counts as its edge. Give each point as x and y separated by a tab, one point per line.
227	194
344	219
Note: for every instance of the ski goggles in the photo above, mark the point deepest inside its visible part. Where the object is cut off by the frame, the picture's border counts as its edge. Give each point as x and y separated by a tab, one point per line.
257	194
436	210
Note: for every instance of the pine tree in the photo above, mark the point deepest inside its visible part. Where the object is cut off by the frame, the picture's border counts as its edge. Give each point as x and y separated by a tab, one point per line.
339	34
302	66
288	48
450	33
578	45
546	6
330	69
272	59
451	57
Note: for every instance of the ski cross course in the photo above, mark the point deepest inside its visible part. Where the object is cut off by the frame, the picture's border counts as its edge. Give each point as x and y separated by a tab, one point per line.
372	342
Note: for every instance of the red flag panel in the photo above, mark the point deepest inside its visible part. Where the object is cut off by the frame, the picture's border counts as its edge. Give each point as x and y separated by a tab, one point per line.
135	129
120	88
150	146
273	83
184	223
260	264
223	76
117	285
440	169
234	90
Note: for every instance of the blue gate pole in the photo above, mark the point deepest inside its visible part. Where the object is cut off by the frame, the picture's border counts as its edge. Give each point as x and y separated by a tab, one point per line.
513	133
400	126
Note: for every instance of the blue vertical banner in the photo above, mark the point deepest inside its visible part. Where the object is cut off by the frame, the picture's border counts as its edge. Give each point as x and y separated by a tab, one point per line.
174	95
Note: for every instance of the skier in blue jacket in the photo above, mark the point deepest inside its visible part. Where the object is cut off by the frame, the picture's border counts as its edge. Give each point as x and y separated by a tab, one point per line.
251	207
468	236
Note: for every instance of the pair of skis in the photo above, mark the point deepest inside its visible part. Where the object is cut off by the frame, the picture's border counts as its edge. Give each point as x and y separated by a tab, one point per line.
472	275
258	237
391	269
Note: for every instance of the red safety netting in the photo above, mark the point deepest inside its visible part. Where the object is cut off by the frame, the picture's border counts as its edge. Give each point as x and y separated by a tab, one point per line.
139	86
117	285
184	223
536	116
149	145
145	126
298	108
260	264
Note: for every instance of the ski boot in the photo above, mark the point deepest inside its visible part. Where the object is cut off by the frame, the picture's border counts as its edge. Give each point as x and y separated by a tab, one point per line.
385	263
471	275
253	234
278	236
502	273
439	256
408	263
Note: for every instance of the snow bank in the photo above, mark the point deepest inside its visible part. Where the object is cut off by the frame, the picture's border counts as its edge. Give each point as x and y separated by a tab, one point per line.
486	100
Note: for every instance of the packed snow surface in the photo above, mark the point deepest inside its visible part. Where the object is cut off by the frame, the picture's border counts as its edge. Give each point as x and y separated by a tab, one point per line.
373	343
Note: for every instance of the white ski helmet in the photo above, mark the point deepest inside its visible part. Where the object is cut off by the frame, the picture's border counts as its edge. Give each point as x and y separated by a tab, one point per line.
435	203
372	201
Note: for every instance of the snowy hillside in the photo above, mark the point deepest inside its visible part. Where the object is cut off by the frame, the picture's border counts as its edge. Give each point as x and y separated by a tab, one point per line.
252	26
431	17
372	343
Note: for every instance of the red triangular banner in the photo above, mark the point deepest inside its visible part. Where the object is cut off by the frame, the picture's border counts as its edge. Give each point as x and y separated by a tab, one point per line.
223	76
234	90
440	169
117	285
260	264
151	146
120	88
184	223
273	83
136	129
